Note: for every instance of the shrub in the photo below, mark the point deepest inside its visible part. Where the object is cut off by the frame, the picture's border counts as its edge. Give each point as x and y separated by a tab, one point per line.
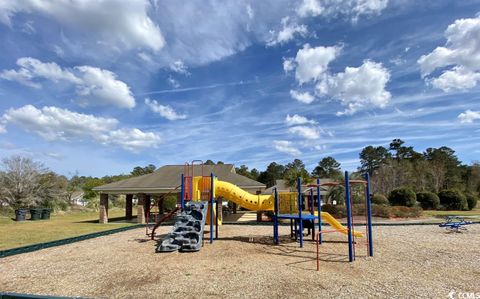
379	199
428	200
406	212
472	200
170	202
358	209
381	210
337	211
402	197
453	200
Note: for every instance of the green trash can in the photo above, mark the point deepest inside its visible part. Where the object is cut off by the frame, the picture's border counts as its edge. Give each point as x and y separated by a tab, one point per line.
46	213
21	214
35	214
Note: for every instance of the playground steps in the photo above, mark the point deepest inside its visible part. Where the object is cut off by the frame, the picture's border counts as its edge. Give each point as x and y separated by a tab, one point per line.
187	232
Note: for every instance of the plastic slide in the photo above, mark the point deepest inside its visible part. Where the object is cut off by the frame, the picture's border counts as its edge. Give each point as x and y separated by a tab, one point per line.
265	203
337	225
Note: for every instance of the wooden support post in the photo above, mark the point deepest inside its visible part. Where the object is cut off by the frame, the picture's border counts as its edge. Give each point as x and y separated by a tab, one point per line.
103	217
141	208
234	208
148	203
128	206
161	207
259	216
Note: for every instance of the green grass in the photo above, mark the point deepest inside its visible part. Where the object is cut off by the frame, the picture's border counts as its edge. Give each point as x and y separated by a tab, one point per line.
15	234
441	214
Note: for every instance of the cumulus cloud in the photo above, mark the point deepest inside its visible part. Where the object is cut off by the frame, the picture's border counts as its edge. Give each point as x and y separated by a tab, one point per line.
311	63
305	132
469	116
179	67
288	32
458	59
352	9
101	86
164	111
31	68
304	97
53	123
124	23
287	147
358	87
173	83
298	120
288	64
93	86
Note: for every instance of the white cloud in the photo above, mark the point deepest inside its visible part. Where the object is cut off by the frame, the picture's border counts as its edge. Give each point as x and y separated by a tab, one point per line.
179	67
305	132
101	86
304	97
174	83
298	120
456	78
458	59
288	32
31	68
310	8
250	12
133	140
3	130
352	9
123	23
164	111
52	123
469	116
313	62
94	86
145	57
287	147
289	64
357	87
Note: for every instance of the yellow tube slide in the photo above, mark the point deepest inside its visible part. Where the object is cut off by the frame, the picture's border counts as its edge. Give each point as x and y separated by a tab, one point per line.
265	203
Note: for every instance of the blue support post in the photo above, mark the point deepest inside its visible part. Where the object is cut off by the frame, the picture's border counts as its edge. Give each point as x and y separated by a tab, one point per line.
211	207
349	218
369	216
182	193
275	216
319	210
300	224
216	219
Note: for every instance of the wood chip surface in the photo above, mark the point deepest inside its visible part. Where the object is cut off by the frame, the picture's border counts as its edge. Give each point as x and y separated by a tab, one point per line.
409	261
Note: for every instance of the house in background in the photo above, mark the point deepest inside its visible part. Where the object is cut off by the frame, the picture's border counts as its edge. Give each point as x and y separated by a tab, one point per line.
77	198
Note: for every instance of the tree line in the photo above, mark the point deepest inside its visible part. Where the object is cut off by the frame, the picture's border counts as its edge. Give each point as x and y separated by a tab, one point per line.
24	182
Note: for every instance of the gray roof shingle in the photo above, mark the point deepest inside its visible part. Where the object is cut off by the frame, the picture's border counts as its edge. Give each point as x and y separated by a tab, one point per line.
167	178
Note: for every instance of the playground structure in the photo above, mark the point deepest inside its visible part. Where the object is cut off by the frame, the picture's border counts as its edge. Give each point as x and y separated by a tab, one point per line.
455	224
286	208
187	232
285	205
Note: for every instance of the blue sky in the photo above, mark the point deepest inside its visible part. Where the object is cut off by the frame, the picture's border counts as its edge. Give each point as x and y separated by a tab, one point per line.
101	87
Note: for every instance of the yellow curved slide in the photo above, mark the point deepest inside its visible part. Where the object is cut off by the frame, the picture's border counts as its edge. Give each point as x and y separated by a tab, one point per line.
261	202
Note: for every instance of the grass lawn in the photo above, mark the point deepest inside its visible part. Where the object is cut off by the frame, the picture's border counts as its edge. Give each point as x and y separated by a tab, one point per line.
15	234
475	213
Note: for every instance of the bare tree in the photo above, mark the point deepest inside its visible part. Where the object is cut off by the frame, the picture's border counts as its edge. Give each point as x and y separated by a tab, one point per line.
20	181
